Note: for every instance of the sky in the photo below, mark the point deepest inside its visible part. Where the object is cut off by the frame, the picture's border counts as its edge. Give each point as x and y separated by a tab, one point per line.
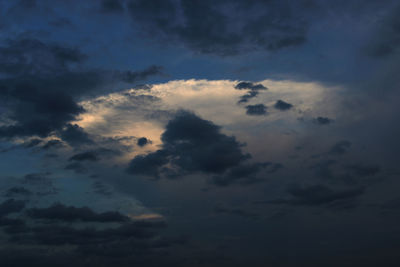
199	133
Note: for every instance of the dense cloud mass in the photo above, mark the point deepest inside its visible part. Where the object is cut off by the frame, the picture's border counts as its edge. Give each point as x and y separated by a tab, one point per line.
126	241
190	144
267	131
225	30
41	82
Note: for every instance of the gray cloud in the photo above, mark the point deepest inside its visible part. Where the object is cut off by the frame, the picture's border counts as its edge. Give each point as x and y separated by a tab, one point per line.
230	27
256	110
282	105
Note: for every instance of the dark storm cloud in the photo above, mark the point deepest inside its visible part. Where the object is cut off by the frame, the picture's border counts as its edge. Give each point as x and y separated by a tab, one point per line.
109	238
142	141
29	56
250	86
69	213
41	84
224	27
282	105
322	121
316	195
37	112
253	90
150	164
75	135
256	110
190	144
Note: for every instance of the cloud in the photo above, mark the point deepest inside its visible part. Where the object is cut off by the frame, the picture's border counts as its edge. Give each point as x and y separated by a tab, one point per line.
84	156
109	238
250	86
316	195
246	174
190	144
282	105
69	213
322	121
42	82
53	144
142	141
224	28
30	56
75	135
11	206
256	110
32	143
245	98
253	90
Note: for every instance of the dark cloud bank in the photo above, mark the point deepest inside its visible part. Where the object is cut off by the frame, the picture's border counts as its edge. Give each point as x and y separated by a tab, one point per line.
194	145
229	28
41	84
106	238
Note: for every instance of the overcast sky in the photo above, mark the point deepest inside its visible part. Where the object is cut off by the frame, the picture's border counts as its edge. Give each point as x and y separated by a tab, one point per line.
199	133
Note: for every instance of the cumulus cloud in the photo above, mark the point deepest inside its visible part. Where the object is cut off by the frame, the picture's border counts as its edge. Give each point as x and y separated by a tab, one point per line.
75	135
142	141
253	90
256	110
282	105
190	144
